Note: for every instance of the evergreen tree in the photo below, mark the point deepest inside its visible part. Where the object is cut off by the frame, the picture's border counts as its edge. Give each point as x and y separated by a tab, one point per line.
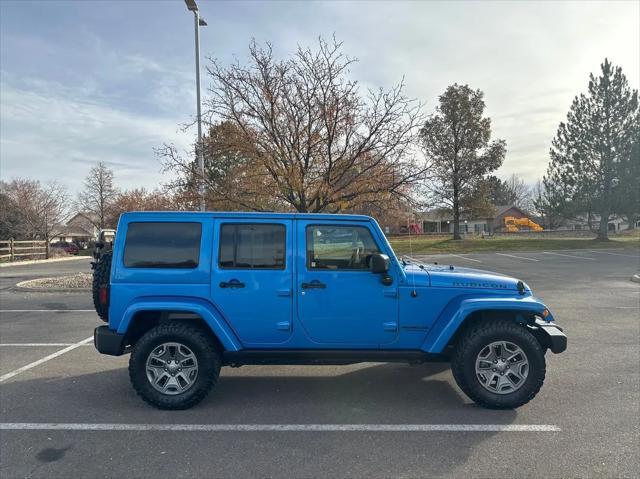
591	147
627	191
549	203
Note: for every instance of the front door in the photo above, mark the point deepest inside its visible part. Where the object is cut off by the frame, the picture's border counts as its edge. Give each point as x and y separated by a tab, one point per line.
340	302
252	278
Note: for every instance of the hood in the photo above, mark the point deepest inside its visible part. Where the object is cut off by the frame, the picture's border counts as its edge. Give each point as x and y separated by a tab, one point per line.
417	275
457	277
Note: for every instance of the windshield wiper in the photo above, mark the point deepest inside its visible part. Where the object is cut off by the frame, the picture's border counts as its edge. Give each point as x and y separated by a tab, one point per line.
406	259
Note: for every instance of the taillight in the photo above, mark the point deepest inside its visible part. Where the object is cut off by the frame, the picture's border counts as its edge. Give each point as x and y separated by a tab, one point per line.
103	295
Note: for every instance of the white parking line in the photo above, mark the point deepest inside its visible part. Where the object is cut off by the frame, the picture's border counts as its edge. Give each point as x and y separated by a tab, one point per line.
32	365
31	426
37	345
464	257
518	257
47	310
615	254
568	255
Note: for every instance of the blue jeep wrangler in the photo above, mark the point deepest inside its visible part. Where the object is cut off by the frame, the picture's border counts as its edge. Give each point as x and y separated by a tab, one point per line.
188	293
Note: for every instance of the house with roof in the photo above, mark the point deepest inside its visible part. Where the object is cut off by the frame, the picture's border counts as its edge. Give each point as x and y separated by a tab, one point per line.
440	220
80	228
581	223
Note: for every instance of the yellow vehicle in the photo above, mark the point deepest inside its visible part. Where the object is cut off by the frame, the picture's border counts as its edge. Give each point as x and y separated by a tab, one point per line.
513	224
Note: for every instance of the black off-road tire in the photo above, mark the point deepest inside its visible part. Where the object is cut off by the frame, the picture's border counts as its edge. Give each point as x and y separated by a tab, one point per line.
207	355
101	278
479	336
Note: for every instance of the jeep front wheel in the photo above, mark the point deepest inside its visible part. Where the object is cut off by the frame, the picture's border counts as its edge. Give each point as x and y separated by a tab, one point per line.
174	366
499	364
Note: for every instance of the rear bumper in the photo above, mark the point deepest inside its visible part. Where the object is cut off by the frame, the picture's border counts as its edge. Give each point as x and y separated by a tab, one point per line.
554	336
108	342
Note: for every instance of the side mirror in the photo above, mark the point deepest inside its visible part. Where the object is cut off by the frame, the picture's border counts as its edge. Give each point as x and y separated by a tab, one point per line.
379	263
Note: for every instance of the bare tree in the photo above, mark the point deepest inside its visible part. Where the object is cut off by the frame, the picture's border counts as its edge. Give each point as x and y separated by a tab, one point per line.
10	218
549	203
232	181
456	143
98	194
139	199
518	193
42	207
309	140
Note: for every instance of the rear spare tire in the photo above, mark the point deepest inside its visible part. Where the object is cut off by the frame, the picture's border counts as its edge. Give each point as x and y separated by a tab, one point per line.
100	285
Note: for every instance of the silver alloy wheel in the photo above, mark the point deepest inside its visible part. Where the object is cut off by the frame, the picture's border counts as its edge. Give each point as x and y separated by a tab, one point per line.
502	367
172	368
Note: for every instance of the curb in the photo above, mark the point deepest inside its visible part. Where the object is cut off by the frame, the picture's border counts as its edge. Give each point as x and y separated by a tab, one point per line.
635	278
26	289
22	286
42	261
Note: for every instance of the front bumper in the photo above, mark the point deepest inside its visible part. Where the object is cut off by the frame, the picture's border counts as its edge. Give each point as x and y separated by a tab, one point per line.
553	335
108	342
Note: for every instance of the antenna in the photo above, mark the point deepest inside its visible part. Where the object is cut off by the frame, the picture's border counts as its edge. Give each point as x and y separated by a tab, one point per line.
414	293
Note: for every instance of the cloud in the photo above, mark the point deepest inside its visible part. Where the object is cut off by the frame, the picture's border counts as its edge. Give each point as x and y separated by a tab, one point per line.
94	82
51	131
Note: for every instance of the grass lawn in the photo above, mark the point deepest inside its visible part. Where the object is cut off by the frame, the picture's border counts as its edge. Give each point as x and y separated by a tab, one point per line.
434	245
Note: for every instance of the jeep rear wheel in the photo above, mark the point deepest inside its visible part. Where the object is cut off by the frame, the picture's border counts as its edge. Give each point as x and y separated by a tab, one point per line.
499	364
174	366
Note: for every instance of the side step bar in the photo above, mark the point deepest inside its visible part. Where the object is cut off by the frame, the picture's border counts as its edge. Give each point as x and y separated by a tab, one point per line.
326	356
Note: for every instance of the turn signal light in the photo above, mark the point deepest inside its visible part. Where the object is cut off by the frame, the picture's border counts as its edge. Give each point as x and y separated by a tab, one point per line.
545	313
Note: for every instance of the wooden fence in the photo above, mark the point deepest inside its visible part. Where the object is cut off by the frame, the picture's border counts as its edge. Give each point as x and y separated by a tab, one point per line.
12	250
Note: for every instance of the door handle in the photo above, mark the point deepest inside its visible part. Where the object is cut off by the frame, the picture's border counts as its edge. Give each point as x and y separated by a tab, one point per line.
232	283
283	326
390	326
315	284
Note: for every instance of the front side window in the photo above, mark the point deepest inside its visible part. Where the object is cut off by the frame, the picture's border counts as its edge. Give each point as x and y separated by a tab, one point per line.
339	247
252	246
162	245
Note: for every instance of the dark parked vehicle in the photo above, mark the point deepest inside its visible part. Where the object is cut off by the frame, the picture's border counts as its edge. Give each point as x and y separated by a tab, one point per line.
69	248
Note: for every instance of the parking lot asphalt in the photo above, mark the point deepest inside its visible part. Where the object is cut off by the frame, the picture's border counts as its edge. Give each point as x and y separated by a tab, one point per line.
589	405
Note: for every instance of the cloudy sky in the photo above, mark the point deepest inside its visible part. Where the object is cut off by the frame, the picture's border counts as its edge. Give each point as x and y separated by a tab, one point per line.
88	81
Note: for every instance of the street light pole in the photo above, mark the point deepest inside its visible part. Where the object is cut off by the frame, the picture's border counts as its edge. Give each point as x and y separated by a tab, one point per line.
198	22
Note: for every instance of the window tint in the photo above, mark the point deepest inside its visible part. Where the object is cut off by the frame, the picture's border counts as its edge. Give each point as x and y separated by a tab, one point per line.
162	245
339	247
252	246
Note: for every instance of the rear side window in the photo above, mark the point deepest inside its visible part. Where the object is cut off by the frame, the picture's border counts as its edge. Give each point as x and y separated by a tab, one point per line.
162	245
252	246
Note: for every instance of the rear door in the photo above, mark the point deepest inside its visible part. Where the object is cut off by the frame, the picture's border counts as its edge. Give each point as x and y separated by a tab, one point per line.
252	278
340	302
